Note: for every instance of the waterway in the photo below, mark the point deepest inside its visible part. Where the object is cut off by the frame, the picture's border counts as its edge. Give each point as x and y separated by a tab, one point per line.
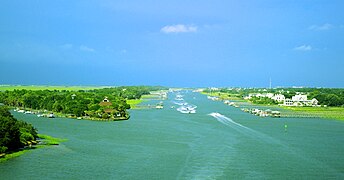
217	142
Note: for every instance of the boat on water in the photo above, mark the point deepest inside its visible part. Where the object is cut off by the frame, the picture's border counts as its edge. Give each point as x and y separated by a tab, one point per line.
187	110
160	105
51	115
181	103
179	99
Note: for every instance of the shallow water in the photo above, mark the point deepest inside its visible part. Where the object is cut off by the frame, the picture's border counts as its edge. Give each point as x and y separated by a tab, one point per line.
218	142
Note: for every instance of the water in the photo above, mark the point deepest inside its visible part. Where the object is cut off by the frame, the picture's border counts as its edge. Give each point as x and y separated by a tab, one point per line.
217	142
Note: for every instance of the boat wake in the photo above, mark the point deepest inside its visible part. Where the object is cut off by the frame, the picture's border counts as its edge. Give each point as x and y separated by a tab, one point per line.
181	103
227	121
243	129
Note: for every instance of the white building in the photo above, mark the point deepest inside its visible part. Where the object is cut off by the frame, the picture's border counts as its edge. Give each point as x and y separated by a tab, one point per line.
297	100
300	100
259	95
278	97
288	102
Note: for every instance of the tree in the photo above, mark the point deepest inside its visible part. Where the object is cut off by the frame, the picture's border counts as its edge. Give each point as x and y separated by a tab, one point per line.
14	134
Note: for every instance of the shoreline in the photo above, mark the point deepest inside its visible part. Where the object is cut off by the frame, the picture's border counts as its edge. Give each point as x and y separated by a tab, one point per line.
43	142
61	115
335	113
134	103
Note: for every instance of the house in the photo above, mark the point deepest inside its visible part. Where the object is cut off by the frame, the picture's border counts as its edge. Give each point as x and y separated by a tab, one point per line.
288	102
105	102
259	95
107	105
314	102
278	97
300	100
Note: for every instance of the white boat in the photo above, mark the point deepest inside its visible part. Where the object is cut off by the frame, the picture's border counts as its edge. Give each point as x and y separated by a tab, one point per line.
51	115
192	111
159	107
181	103
179	99
186	110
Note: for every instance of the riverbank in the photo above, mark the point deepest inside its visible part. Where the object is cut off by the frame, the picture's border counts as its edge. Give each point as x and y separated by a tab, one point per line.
155	95
43	114
42	142
336	113
134	102
223	96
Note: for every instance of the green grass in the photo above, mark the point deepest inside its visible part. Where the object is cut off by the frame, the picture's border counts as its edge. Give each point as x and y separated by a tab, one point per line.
324	112
223	96
46	141
150	96
134	102
13	155
42	87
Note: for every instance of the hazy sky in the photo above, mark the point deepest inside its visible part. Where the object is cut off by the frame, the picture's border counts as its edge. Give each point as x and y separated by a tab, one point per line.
172	43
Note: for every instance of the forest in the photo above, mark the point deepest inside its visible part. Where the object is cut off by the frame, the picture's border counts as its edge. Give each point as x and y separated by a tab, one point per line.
14	134
79	103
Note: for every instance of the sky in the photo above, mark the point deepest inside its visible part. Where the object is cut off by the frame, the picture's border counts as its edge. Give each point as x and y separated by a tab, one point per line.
179	43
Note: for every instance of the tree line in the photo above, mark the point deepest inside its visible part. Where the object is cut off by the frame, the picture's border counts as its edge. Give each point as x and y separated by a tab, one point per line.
14	134
77	103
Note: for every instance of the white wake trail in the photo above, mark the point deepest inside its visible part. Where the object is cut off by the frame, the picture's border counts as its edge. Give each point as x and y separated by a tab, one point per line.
226	120
244	130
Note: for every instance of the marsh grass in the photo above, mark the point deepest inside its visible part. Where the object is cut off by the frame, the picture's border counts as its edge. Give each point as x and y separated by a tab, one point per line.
323	112
45	141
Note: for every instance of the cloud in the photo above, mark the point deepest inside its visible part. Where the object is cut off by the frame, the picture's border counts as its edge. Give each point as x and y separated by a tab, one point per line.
179	28
303	48
323	27
85	48
66	46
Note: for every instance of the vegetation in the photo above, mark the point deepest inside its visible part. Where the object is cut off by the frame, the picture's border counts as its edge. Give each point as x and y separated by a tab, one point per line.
134	102
263	100
324	112
79	103
330	99
35	88
48	140
223	95
326	96
14	134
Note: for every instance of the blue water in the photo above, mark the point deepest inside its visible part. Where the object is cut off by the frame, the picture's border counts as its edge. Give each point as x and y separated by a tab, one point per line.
218	142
